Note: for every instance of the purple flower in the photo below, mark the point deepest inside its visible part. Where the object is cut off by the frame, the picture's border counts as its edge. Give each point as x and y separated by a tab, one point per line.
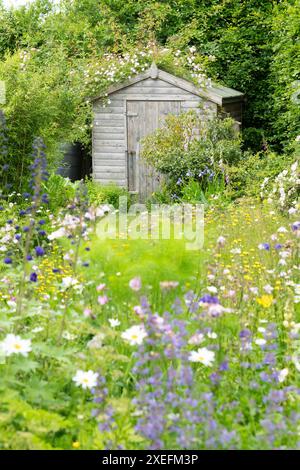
215	378
39	251
8	260
224	366
296	226
245	334
264	246
209	299
33	277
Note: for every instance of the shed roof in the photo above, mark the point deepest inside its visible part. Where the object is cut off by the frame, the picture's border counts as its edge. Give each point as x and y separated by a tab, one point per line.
218	94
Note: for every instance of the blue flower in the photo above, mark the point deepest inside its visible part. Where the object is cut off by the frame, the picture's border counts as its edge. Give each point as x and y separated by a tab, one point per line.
39	251
209	299
296	226
264	246
8	260
33	277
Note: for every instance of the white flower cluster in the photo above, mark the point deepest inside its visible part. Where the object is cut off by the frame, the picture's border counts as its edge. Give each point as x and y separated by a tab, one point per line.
114	68
284	190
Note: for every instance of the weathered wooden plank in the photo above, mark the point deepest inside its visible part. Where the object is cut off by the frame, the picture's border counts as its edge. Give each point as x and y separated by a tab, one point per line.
114	102
109	175
108	116
156	97
150	82
111	136
112	142
110	110
190	104
101	163
110	168
108	150
154	91
108	127
110	130
107	156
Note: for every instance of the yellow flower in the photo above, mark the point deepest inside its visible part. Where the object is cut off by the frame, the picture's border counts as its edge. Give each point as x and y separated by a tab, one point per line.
265	301
76	445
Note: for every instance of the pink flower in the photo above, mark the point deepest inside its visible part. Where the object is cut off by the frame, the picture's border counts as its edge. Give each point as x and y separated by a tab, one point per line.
135	283
138	310
87	312
101	287
102	299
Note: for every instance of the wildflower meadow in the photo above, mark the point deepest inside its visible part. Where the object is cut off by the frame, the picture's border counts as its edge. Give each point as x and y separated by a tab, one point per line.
130	341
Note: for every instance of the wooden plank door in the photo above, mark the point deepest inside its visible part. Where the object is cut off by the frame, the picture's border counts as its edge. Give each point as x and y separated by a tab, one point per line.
143	117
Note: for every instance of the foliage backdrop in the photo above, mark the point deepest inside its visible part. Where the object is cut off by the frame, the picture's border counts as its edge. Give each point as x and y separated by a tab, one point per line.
55	55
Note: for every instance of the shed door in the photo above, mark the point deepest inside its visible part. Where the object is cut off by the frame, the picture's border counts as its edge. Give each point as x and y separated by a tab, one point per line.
143	117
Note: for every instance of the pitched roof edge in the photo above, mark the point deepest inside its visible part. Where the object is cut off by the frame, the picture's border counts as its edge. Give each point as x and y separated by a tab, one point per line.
214	93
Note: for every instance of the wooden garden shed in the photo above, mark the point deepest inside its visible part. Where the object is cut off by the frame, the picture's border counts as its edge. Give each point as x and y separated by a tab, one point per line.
136	108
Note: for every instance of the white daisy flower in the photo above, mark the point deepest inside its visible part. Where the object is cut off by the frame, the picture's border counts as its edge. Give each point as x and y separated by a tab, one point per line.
15	345
134	335
86	379
203	355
